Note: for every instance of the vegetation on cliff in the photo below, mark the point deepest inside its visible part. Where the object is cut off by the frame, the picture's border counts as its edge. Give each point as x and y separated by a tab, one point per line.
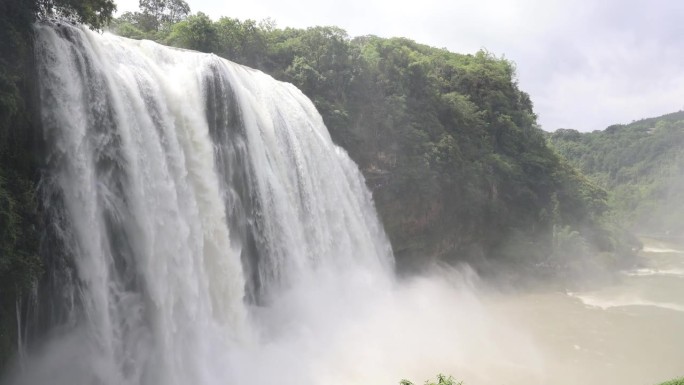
640	164
676	381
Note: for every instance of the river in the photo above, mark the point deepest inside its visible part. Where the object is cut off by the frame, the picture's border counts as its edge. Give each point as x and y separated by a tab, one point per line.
629	332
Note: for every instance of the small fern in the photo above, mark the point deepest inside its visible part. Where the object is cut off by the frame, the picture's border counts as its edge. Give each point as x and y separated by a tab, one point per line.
444	380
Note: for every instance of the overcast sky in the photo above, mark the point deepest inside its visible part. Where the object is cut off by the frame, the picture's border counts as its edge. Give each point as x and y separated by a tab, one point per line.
586	63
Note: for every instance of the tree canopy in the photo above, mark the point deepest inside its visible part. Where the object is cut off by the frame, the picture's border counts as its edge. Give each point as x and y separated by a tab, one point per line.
640	164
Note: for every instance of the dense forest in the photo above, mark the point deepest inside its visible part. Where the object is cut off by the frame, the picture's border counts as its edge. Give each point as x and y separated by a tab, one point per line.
448	143
640	164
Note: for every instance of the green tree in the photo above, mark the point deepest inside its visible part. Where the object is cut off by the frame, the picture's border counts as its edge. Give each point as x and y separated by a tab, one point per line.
153	21
241	41
196	32
160	12
95	13
441	380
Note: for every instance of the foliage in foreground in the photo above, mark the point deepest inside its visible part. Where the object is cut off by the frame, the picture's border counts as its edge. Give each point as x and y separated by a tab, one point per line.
441	380
676	381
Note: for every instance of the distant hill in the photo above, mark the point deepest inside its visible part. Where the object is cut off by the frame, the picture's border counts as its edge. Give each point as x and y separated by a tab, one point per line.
640	164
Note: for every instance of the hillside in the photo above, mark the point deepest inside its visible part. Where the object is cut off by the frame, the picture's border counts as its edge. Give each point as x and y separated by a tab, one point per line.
448	143
640	164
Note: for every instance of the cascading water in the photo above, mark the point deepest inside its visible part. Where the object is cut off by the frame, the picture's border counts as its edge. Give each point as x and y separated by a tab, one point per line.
169	171
204	229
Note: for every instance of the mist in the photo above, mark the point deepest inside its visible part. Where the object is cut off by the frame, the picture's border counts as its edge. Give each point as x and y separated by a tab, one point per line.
357	329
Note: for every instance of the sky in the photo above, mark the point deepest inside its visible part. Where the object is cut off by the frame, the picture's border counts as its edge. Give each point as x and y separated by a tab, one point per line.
586	64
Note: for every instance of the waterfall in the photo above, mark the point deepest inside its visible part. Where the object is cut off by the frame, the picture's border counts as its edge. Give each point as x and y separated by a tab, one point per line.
188	197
